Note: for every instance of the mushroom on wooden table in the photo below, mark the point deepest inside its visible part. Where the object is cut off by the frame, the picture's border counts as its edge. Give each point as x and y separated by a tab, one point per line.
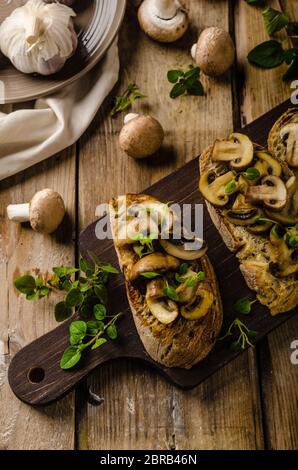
141	136
45	211
163	20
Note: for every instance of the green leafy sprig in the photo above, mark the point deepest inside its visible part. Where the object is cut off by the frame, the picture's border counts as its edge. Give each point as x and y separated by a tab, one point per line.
244	305
242	333
126	100
87	295
185	82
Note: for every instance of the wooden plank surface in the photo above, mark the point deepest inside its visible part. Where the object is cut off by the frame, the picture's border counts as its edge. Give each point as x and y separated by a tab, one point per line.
21	251
163	417
278	377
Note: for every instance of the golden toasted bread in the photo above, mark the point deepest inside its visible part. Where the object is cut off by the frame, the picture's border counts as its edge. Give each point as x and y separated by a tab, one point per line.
181	343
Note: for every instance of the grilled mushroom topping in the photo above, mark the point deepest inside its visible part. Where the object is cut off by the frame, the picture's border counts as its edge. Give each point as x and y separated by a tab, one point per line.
180	248
187	291
156	262
213	188
238	151
267	165
289	214
200	307
242	216
289	134
272	192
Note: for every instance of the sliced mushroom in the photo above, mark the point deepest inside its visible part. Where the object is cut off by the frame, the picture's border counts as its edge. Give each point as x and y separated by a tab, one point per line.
156	262
260	227
213	187
243	217
267	165
238	151
289	133
289	214
186	292
178	248
272	192
162	308
200	307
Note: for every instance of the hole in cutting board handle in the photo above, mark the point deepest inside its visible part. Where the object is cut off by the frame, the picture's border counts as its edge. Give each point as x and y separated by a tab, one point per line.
36	375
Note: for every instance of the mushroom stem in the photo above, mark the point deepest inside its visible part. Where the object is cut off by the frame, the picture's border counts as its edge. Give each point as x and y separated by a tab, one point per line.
165	9
193	51
18	212
129	117
33	27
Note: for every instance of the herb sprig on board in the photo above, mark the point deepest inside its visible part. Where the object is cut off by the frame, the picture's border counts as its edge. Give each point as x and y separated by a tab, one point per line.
86	295
243	334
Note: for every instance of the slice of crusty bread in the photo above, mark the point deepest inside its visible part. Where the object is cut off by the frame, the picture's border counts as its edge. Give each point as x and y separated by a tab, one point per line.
253	252
275	143
183	343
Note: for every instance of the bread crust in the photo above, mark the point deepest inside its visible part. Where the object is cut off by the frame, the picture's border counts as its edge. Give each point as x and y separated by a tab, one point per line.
253	251
183	343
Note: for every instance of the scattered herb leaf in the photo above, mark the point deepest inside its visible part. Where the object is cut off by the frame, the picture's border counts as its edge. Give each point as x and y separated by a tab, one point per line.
244	306
185	82
126	100
274	20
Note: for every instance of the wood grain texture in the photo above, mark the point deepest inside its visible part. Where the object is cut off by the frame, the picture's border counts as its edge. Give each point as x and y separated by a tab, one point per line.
279	381
22	250
211	416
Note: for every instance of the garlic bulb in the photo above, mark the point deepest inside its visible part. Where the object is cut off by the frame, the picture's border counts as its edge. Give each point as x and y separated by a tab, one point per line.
38	37
65	2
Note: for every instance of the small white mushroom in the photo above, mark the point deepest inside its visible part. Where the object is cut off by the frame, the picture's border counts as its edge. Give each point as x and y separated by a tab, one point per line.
214	52
163	20
45	211
141	136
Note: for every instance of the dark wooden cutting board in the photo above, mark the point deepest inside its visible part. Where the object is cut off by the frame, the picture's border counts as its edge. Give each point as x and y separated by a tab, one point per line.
34	373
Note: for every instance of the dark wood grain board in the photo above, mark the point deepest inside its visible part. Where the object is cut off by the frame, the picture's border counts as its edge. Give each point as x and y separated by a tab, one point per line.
34	374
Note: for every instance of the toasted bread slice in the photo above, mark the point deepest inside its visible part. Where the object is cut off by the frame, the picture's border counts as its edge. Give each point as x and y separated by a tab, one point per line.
277	143
182	343
254	252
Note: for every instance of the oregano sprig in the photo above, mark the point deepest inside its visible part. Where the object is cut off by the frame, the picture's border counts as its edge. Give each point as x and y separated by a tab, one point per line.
185	82
86	295
126	100
243	335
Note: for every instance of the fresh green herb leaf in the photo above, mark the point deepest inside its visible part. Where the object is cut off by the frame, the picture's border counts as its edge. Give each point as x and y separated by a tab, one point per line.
237	327
25	284
63	311
252	174
32	296
150	275
235	346
74	297
112	331
268	54
126	100
100	312
77	330
174	75
231	186
108	268
201	276
292	71
70	358
63	271
274	20
178	278
244	306
94	327
170	292
101	293
99	342
185	82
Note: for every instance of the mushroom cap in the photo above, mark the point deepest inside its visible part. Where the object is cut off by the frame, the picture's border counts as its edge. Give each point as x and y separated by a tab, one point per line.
162	30
47	211
141	137
215	51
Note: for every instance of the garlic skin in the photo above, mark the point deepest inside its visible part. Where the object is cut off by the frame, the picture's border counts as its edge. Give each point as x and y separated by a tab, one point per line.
65	2
39	37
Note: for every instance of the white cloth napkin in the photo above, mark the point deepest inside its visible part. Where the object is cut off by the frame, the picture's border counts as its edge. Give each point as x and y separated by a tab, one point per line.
49	125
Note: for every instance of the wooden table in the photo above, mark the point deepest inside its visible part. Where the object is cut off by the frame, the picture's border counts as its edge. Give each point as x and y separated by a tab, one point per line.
251	403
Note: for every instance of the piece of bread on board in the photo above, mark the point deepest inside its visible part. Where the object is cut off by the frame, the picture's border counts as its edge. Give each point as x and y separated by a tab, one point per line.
183	343
253	252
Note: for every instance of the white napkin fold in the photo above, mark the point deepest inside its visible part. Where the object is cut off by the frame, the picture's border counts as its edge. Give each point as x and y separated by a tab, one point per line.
49	125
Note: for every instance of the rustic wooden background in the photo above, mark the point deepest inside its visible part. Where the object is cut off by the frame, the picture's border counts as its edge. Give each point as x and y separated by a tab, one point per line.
251	403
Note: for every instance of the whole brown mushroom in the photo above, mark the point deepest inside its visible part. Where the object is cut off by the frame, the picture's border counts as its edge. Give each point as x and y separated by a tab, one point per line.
45	211
163	20
141	136
214	52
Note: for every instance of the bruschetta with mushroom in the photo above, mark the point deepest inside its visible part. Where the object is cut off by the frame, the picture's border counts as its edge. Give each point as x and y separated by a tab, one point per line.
252	198
171	288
